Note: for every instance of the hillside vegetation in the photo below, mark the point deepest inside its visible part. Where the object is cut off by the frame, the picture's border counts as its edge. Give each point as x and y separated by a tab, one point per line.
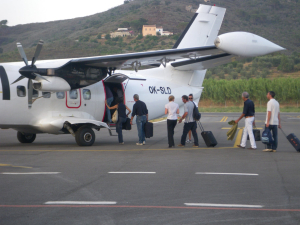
275	20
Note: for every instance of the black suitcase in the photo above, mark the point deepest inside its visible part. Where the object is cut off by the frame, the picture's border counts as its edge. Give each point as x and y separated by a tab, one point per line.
148	130
256	135
293	140
208	137
126	125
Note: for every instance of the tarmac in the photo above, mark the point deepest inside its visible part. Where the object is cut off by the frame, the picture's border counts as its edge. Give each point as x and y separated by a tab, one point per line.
54	181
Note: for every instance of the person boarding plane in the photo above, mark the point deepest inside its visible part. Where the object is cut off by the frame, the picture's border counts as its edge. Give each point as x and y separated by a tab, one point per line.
67	96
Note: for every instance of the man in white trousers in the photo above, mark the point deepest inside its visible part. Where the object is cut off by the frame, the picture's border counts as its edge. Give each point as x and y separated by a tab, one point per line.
248	113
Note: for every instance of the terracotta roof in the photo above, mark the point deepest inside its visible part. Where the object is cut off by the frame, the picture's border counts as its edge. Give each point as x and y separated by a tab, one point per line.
149	25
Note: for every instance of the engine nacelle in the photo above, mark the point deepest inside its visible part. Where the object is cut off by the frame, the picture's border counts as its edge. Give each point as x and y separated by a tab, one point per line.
52	84
245	44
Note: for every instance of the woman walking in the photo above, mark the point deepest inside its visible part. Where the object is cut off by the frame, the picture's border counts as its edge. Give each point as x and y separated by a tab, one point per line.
172	109
121	107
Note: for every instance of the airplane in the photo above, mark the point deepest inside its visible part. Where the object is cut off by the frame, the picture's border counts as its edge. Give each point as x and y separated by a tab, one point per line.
67	96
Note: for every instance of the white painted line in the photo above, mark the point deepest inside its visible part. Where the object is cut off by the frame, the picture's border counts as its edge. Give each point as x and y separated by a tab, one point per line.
79	203
237	174
223	205
134	172
31	173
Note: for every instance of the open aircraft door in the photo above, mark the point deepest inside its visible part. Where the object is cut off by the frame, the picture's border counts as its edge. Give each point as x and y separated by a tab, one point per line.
117	80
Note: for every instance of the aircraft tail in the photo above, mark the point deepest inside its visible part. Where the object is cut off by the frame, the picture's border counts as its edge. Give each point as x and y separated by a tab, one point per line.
203	29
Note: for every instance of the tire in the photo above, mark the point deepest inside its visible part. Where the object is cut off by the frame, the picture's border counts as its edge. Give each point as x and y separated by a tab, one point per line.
85	136
26	138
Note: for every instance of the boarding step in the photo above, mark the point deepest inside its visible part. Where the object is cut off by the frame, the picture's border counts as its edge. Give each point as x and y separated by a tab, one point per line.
112	126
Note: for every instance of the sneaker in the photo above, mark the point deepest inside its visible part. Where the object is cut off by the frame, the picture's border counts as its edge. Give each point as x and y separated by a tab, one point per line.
240	146
180	145
189	141
252	148
267	150
122	143
273	150
139	143
144	142
195	146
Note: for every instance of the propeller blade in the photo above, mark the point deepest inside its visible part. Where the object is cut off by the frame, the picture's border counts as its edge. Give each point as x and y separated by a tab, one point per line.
22	53
17	80
37	52
30	91
39	77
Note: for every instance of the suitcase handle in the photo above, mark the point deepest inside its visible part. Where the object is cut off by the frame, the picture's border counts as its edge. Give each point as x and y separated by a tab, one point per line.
283	132
200	126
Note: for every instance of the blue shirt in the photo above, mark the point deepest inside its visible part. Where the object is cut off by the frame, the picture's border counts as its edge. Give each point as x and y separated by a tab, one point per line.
139	109
249	109
109	94
122	110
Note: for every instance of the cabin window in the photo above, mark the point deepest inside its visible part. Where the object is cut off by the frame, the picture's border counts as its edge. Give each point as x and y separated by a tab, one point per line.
73	94
46	94
86	94
60	95
21	91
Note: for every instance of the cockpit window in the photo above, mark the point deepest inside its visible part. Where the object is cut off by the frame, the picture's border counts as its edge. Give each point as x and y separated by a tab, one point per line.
73	94
21	91
60	95
86	94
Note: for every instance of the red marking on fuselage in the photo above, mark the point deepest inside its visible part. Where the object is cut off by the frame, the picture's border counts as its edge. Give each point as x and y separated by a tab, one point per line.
75	103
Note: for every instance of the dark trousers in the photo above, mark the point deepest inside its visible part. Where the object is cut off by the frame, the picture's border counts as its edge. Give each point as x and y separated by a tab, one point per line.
171	124
187	127
274	130
119	125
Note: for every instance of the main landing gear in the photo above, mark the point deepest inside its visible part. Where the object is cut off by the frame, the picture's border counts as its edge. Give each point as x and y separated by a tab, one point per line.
26	138
85	136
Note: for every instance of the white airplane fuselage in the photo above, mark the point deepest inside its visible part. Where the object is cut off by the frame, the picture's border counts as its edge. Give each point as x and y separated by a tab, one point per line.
152	85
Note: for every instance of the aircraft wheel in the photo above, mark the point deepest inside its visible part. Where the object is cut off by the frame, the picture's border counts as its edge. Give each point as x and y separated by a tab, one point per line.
26	138
85	136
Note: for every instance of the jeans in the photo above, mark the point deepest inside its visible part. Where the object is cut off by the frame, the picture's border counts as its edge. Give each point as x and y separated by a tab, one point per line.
248	130
119	124
171	124
140	123
109	101
187	127
274	130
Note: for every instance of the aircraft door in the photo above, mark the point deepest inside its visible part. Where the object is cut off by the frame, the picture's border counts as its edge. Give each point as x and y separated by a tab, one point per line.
73	99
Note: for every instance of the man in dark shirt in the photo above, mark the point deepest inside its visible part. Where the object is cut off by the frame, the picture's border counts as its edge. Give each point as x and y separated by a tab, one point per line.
141	112
248	113
109	99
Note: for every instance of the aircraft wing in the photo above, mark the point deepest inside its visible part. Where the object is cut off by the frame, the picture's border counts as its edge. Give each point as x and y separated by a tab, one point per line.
135	60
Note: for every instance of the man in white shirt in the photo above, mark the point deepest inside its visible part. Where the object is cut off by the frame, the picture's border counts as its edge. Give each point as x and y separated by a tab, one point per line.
272	121
172	109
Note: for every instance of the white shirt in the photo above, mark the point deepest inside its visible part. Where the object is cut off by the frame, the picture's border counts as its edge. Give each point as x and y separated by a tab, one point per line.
273	107
172	108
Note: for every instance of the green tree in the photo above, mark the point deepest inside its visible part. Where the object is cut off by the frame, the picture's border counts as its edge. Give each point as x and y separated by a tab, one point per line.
3	22
107	36
1	50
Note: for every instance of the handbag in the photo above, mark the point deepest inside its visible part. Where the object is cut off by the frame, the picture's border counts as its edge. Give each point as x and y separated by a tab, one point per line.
114	117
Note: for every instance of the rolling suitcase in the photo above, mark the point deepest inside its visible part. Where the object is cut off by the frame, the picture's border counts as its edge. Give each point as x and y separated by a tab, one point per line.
148	130
126	125
256	135
293	140
208	137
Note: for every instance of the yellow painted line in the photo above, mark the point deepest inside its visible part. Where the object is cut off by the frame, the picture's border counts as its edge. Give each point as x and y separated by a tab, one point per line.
8	165
223	119
238	138
114	150
228	128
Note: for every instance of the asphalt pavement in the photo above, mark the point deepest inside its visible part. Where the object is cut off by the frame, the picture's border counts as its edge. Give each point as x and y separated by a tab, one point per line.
54	181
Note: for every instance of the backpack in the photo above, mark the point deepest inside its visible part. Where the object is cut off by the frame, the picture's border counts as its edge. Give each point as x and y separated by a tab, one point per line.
266	137
196	114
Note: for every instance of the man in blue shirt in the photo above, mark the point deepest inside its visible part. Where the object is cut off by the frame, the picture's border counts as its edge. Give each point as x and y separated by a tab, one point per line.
248	113
141	112
109	100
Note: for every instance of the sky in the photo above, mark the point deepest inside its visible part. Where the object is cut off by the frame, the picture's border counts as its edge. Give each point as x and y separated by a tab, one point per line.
34	11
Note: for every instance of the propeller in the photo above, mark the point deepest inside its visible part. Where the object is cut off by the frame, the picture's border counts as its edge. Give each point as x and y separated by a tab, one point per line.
31	71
